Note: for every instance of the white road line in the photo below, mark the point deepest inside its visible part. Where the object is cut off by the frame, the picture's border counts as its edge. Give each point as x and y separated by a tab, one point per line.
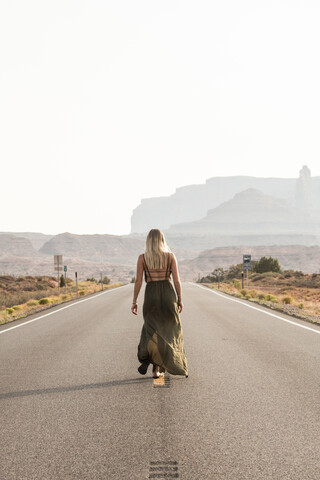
63	308
256	308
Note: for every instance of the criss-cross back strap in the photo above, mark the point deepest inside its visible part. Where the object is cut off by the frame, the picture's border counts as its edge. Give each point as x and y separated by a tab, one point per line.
146	269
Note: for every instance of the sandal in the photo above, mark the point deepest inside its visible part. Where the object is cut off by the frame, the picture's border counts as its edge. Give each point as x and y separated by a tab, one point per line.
156	372
143	368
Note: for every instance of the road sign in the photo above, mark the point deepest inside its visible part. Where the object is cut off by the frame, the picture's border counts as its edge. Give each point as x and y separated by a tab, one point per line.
57	262
65	268
247	262
58	266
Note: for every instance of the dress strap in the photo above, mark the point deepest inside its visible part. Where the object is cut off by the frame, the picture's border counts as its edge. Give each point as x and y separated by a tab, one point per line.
168	271
146	269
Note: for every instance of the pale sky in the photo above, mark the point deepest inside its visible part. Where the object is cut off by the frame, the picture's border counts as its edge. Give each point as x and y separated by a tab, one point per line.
103	103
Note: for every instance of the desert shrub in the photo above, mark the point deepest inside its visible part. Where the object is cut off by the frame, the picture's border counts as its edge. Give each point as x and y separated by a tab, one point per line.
7	278
268	275
217	274
244	292
306	282
44	301
271	298
253	293
239	295
301	305
287	300
9	310
64	297
236	283
267	265
16	307
28	288
91	280
234	271
206	279
106	280
32	303
62	282
256	278
248	296
261	296
81	293
298	273
288	273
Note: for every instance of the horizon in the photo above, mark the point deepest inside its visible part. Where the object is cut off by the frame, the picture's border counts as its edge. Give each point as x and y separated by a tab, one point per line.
167	196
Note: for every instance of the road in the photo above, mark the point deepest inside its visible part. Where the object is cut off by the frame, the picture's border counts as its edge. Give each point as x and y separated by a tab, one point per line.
73	405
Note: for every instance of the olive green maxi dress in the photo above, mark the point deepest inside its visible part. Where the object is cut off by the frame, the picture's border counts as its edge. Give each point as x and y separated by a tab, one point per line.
161	340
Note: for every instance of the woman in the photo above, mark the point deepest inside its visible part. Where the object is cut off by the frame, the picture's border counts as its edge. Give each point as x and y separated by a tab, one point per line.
161	341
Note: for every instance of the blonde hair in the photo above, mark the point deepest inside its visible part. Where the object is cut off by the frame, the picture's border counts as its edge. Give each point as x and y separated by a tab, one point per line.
156	248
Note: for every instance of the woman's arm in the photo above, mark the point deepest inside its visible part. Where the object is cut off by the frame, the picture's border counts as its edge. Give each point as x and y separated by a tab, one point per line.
137	285
176	281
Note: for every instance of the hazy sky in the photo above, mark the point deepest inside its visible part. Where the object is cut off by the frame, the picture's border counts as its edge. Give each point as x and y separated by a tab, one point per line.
103	103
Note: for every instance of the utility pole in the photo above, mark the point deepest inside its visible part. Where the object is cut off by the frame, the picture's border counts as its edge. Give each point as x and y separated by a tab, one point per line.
58	275
76	274
57	266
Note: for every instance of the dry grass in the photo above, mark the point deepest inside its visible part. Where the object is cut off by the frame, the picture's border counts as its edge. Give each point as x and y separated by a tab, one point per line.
17	303
297	295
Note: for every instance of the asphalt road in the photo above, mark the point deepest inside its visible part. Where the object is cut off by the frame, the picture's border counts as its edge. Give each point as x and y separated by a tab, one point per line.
73	405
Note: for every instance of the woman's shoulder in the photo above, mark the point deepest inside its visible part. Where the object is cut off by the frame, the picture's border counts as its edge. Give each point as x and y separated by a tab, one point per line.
140	258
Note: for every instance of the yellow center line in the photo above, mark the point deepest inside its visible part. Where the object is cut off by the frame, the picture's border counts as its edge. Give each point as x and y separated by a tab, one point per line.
158	382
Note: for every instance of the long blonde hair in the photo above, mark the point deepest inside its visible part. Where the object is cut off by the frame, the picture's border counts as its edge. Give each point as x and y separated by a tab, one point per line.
156	248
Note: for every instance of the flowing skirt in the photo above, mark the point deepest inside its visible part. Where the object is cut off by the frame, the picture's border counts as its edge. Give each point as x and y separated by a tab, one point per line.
161	340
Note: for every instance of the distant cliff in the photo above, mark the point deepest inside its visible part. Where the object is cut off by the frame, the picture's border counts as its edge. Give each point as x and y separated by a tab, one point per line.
253	213
11	244
191	203
112	248
36	239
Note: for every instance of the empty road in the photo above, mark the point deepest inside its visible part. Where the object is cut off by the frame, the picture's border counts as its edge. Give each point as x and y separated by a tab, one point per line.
73	405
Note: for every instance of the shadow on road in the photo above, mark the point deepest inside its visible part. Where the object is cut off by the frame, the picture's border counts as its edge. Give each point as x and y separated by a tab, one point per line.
73	388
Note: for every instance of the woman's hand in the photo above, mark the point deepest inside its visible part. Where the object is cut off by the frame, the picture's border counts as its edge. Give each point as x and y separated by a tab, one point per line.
134	308
180	306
